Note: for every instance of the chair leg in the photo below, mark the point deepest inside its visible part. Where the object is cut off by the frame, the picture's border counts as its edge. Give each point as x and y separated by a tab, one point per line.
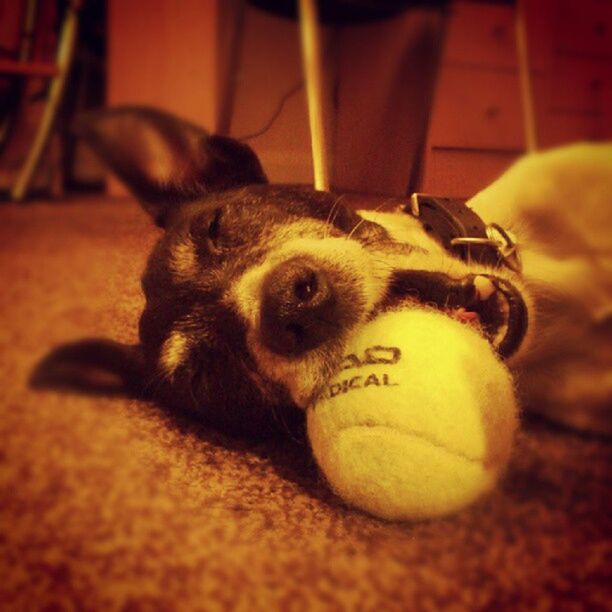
529	118
311	60
65	54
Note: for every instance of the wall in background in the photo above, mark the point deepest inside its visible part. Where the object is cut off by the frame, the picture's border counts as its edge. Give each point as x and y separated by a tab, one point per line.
163	53
268	70
175	56
477	126
378	79
386	77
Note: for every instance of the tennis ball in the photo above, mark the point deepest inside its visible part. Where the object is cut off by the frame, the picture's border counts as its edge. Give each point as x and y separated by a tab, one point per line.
419	420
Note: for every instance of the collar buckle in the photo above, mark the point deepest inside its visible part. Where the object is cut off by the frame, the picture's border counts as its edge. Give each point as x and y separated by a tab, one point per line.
462	232
499	239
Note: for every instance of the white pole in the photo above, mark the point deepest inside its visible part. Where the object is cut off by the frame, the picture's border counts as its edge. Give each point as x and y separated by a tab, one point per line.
311	60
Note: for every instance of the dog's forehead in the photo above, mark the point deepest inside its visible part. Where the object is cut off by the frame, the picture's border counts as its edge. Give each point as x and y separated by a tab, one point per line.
264	205
249	223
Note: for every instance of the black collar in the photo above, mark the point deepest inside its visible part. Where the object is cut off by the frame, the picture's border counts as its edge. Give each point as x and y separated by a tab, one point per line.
462	232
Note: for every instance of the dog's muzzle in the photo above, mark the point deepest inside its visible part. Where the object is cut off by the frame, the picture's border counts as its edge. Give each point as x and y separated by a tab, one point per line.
487	301
517	320
494	301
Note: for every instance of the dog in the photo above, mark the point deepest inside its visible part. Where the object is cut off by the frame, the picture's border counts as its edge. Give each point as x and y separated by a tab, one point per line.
254	289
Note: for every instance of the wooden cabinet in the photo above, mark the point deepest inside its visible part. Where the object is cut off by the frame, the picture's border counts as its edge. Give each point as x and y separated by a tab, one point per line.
480	34
462	172
583	27
477	122
481	110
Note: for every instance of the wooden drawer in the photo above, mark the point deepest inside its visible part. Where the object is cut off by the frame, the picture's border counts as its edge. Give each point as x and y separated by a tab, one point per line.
477	109
462	174
580	85
540	33
584	27
555	129
481	34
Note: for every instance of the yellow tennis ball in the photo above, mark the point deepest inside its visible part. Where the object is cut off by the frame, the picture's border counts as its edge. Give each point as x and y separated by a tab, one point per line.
419	420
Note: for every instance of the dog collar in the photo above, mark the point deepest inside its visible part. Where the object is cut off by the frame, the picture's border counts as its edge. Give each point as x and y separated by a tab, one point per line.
462	232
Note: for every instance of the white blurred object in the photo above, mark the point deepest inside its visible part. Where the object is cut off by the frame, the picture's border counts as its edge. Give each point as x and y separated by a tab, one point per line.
559	203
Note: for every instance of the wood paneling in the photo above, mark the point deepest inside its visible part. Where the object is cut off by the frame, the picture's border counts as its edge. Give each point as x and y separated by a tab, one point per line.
462	173
477	109
480	34
584	27
478	123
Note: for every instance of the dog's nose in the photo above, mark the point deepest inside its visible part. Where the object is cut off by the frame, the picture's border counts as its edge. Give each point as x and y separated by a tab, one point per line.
299	310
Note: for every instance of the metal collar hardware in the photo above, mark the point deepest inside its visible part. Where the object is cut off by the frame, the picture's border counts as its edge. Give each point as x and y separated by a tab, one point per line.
461	231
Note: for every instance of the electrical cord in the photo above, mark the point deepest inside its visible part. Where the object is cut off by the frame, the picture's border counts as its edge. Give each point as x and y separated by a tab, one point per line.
277	112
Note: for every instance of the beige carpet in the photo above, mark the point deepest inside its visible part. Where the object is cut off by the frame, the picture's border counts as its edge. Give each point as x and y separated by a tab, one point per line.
110	503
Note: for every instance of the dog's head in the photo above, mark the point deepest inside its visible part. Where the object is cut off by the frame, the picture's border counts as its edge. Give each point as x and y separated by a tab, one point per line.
253	290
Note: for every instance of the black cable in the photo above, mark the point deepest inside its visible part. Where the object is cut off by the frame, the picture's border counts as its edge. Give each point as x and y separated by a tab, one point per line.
279	109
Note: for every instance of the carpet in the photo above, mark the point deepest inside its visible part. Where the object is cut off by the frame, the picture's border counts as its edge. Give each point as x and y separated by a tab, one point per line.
111	503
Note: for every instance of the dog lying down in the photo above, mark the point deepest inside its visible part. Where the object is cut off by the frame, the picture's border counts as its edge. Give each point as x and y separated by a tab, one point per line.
254	289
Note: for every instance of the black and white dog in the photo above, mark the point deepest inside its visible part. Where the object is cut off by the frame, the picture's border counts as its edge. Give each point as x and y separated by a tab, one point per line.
254	289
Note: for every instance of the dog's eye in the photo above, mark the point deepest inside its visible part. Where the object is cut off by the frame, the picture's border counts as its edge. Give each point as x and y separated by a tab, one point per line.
217	231
214	228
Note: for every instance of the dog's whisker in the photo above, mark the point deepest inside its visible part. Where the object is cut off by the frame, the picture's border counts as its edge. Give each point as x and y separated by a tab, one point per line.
282	423
336	212
331	210
383	263
331	216
356	227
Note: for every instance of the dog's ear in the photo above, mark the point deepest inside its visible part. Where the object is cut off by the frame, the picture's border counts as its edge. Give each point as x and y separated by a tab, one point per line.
93	367
164	160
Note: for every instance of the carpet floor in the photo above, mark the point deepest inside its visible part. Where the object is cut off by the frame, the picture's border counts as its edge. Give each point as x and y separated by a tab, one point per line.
110	503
